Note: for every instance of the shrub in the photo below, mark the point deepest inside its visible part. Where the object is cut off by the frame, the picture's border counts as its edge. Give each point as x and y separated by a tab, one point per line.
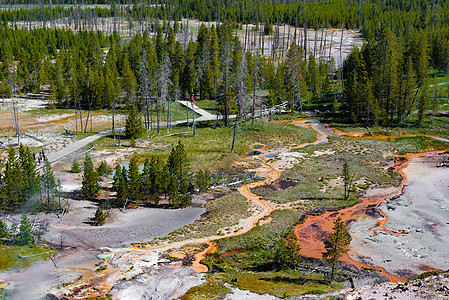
3	230
134	125
103	169
75	167
100	217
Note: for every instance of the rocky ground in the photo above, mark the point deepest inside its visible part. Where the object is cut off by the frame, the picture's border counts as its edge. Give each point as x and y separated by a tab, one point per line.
417	224
420	215
432	287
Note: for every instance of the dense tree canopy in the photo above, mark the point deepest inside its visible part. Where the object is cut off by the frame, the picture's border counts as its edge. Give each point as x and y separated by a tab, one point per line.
21	182
85	66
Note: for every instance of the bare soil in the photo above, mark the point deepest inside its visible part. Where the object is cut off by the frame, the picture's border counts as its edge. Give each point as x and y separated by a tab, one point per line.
421	213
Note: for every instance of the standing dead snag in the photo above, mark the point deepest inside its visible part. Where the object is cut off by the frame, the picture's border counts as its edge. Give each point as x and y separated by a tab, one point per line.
337	244
348	178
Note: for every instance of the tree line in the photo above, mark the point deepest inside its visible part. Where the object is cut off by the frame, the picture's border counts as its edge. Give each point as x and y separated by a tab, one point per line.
389	78
368	15
88	70
91	70
170	180
21	183
156	181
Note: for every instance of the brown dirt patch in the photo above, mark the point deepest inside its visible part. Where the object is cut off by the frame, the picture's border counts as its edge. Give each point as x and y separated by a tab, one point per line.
278	185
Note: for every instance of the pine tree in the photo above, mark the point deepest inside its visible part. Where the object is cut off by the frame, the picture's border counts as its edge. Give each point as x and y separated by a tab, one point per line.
30	183
91	181
203	180
158	175
172	189
120	186
146	181
11	193
48	183
313	75
100	217
297	75
160	47
134	128
75	167
135	181
287	252
24	236
184	198
103	169
188	75
268	28
386	74
129	82
337	244
177	161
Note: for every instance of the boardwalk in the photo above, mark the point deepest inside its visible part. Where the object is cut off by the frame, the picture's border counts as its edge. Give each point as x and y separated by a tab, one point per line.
204	116
55	156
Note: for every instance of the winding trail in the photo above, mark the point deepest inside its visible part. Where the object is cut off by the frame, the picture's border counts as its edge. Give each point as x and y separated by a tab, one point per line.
57	155
204	116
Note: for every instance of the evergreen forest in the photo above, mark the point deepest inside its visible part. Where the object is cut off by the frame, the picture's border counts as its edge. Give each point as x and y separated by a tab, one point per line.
156	58
281	135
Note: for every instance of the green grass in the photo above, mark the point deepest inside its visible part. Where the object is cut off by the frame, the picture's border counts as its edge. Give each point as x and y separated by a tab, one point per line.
9	255
425	275
222	213
261	238
177	112
212	289
209	105
440	127
314	173
210	148
283	284
419	144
